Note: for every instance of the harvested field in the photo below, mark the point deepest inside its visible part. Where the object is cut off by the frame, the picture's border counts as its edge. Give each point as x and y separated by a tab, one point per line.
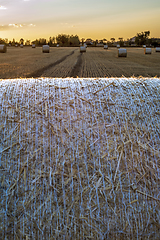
99	63
69	62
80	159
30	62
64	68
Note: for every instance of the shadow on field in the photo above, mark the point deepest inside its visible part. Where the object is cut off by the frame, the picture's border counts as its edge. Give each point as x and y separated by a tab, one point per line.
76	69
39	72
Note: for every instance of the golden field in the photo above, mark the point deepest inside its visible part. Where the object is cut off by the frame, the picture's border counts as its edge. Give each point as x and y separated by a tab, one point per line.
69	62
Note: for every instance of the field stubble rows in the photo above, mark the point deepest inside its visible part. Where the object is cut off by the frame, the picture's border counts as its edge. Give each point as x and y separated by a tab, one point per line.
69	62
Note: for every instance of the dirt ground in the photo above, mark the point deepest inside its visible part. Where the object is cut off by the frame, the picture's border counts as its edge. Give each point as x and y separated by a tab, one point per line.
69	62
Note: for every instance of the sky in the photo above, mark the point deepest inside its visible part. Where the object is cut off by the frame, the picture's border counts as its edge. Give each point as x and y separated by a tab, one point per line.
96	19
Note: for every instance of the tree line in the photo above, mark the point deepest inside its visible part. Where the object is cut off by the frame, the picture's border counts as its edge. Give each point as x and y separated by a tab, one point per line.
62	39
74	40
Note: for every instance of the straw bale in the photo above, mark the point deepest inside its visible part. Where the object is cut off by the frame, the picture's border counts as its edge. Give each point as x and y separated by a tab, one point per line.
157	49
122	52
105	46
82	49
147	50
45	48
79	158
3	48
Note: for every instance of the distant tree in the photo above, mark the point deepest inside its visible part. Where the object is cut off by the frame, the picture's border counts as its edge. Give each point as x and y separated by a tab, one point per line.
109	43
53	40
21	41
13	42
36	42
147	33
121	42
112	40
2	41
50	43
82	40
142	38
155	44
89	41
62	39
27	43
101	41
42	41
6	40
96	42
74	40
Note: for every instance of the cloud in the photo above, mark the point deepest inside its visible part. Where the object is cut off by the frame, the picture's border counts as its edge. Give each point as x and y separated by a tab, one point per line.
2	8
12	26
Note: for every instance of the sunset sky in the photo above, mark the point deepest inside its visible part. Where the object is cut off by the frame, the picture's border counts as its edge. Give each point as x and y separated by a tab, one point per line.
96	19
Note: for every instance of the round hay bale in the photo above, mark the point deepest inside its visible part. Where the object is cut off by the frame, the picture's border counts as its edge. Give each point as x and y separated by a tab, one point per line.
147	50
21	45
16	45
118	46
3	48
33	45
45	49
72	157
157	49
105	46
82	49
57	45
122	52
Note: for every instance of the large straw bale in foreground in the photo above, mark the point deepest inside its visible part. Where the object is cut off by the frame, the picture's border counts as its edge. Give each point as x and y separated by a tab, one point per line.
3	48
79	158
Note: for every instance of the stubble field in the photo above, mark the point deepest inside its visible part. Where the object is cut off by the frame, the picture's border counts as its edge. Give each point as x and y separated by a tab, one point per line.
69	62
